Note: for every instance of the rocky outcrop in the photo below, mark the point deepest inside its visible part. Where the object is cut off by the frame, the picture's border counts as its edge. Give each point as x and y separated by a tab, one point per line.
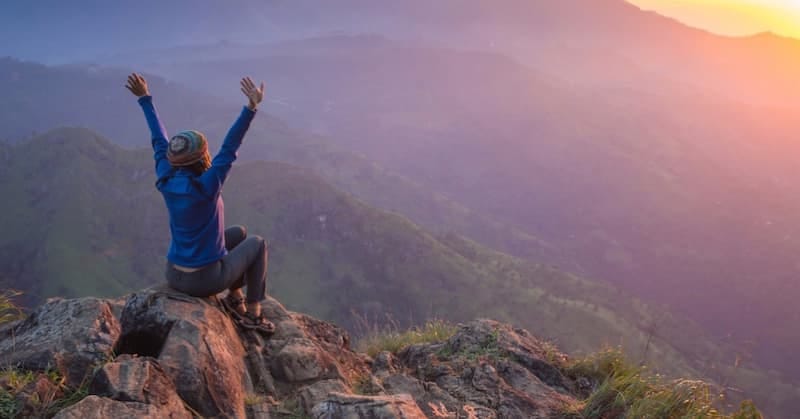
139	380
69	336
167	355
195	343
340	405
486	367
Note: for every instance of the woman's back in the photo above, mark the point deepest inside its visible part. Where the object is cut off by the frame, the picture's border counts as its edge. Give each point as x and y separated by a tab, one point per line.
196	220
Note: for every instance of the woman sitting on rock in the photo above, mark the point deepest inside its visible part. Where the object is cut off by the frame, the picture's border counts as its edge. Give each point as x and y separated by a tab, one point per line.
205	258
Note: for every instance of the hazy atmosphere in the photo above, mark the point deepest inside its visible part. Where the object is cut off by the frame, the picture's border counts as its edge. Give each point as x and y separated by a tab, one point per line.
601	173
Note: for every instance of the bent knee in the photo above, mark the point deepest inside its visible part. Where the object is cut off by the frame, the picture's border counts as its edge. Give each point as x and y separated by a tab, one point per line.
239	229
261	242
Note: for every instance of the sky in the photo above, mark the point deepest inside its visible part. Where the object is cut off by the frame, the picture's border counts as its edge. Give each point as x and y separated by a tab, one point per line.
732	17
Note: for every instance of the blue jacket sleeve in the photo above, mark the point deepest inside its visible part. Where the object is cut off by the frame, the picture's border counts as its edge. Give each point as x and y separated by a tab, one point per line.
214	177
158	135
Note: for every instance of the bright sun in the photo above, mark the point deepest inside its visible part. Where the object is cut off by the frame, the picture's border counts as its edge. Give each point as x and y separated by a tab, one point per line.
732	17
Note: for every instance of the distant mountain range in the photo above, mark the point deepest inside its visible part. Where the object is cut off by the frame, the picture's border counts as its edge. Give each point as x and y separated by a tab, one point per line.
99	227
599	42
40	98
663	187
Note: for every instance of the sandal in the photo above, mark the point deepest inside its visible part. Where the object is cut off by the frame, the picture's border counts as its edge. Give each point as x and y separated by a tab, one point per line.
229	303
260	324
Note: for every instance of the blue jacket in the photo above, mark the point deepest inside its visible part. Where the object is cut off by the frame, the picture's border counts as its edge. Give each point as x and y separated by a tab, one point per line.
196	210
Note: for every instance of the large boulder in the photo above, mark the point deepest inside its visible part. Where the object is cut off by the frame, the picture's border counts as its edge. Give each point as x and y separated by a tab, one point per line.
195	343
305	360
305	350
142	380
486	367
301	361
312	394
70	336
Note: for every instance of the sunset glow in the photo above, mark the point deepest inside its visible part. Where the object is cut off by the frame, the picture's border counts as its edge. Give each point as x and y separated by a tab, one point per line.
732	17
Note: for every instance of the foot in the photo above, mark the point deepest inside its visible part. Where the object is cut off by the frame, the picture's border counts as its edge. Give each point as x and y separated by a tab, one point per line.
234	306
257	323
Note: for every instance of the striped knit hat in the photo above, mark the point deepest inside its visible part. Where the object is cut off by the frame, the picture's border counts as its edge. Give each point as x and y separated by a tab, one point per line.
187	148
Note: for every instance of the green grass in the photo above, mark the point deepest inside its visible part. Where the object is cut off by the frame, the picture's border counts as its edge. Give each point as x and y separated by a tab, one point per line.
8	405
9	311
15	380
17	392
625	390
393	340
252	399
71	397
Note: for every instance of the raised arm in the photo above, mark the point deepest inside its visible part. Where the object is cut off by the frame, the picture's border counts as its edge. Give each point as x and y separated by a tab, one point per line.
214	177
138	86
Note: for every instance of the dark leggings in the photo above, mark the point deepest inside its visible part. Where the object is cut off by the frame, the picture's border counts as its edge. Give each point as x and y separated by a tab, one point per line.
246	262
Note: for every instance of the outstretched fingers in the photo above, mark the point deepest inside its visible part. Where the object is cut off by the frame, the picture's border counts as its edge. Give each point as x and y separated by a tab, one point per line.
246	87
254	93
131	83
137	85
135	80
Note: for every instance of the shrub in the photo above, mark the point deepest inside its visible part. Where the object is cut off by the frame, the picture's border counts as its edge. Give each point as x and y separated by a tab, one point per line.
624	390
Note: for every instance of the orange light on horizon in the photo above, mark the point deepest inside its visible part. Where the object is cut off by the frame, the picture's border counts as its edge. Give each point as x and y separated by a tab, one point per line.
732	17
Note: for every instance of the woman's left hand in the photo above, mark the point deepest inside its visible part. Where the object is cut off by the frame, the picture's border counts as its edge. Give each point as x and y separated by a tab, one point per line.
254	94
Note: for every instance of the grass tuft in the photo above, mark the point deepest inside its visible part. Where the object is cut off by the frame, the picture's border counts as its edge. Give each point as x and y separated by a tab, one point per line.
21	394
625	390
72	396
253	399
389	338
9	311
8	405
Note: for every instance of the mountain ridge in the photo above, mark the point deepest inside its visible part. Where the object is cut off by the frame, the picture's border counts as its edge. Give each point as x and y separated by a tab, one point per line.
269	139
322	241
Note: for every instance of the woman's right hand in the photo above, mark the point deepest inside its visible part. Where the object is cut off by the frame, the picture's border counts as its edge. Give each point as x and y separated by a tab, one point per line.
254	94
137	85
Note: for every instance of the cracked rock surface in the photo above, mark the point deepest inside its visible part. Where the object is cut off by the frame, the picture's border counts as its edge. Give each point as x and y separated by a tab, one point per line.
162	354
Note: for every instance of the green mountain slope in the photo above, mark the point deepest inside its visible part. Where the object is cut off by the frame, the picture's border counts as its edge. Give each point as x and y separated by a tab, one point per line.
40	98
81	217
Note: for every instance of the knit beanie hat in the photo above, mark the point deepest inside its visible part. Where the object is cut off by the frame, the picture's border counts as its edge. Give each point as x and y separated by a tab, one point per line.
187	148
